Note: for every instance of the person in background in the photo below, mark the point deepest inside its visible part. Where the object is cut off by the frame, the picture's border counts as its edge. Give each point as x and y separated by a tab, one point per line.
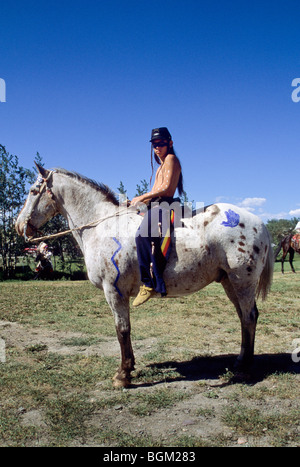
44	268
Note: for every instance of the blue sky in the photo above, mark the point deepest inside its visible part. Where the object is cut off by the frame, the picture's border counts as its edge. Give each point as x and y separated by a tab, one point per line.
86	81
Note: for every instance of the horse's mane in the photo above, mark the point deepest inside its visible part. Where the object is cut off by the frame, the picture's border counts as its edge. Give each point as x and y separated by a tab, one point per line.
104	189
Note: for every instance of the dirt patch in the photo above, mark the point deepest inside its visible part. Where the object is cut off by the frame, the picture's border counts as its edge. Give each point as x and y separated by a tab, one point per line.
23	337
199	412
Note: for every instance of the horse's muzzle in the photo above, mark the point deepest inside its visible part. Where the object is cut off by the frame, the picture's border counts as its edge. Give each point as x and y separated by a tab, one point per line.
25	230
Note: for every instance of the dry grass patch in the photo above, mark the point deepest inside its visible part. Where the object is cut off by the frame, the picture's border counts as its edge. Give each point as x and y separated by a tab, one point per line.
62	351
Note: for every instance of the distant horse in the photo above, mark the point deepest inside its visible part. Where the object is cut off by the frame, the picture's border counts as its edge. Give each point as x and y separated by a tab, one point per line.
289	244
224	243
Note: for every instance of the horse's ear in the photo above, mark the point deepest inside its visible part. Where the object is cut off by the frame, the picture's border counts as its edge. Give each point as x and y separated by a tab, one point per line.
44	172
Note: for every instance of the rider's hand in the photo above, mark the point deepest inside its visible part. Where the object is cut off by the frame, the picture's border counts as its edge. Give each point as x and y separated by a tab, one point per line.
138	200
126	203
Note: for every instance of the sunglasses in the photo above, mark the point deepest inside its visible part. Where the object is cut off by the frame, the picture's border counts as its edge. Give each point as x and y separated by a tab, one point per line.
159	145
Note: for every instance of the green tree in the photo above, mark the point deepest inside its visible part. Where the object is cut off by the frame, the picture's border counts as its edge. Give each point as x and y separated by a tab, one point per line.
39	160
121	189
143	188
13	185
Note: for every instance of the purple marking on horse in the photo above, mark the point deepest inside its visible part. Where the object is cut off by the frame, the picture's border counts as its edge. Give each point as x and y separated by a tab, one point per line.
116	266
233	219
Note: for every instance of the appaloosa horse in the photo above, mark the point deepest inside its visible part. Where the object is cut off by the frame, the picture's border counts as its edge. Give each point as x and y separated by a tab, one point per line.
289	244
223	243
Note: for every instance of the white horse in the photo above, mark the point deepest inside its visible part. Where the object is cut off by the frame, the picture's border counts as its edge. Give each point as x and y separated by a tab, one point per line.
223	243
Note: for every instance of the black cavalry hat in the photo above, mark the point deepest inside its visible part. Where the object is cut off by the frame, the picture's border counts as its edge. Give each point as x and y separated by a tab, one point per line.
160	133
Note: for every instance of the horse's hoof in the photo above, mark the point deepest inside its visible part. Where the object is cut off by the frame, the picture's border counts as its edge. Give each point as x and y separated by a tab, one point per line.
119	382
243	365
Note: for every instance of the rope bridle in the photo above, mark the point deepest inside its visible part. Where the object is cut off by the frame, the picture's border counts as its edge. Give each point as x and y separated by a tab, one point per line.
41	184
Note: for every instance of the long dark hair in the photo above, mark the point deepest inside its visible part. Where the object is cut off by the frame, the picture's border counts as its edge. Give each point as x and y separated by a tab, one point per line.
171	150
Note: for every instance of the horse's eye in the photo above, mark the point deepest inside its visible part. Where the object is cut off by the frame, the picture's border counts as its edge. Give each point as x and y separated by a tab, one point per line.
34	191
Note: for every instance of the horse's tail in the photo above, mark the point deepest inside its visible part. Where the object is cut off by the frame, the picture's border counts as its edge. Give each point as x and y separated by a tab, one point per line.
265	280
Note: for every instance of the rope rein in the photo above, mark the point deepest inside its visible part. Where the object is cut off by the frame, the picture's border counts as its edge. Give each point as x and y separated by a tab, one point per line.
41	184
66	232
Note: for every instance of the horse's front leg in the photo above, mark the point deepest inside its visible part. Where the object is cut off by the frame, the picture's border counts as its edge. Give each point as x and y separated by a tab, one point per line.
123	376
120	308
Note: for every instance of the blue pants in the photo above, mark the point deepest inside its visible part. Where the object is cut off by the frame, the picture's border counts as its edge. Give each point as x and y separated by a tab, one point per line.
149	237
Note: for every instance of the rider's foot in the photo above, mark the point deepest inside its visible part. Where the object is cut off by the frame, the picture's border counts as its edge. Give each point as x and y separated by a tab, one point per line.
144	294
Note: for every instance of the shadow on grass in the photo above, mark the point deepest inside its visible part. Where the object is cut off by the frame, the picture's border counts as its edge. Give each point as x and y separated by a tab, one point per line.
214	367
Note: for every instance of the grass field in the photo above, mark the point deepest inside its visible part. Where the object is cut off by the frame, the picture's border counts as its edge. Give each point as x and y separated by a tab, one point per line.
59	353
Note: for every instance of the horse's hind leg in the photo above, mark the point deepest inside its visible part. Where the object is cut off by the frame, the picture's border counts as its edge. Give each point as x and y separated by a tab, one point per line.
292	253
248	324
245	305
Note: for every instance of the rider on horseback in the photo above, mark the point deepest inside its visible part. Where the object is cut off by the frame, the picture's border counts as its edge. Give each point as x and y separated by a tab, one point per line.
156	223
